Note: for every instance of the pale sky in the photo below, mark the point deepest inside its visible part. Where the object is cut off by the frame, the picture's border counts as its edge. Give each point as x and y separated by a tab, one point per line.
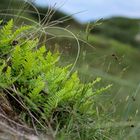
88	10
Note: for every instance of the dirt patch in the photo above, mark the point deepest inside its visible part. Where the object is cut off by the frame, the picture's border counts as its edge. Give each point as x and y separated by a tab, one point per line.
12	128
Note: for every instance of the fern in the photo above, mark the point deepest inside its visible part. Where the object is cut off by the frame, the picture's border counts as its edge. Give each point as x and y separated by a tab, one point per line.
7	36
43	85
20	30
6	31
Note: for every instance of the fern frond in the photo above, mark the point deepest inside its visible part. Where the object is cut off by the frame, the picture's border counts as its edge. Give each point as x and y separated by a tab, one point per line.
20	30
6	31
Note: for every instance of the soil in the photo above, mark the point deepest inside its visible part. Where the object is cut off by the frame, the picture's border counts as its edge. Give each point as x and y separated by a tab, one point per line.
12	128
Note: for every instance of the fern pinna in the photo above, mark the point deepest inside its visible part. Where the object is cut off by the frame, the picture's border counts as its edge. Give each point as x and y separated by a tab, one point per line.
32	74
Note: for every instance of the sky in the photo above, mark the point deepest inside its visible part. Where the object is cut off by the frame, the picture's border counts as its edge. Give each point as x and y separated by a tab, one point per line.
88	10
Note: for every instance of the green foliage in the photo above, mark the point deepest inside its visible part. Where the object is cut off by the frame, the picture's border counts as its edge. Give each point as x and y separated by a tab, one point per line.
33	75
7	37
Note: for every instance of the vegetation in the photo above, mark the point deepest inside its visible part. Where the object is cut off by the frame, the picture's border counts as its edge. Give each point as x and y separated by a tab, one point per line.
51	87
42	90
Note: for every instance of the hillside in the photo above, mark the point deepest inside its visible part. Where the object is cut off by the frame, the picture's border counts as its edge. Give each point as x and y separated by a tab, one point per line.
123	29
